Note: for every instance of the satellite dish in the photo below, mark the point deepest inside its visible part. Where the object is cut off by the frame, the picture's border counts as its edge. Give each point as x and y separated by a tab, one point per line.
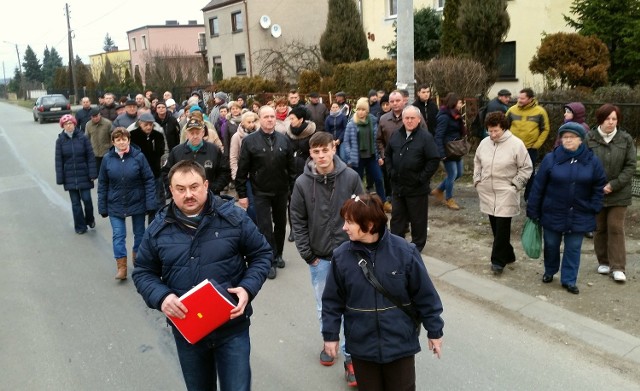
265	21
276	31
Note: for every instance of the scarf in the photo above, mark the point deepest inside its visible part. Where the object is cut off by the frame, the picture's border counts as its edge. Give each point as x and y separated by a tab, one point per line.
195	148
121	152
365	138
69	134
334	113
607	137
190	223
298	130
282	116
575	153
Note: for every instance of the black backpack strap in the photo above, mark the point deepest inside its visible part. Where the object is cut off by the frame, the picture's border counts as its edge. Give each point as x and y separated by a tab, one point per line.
368	274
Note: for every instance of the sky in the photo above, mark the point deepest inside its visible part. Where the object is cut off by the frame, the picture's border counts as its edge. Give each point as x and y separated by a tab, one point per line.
42	23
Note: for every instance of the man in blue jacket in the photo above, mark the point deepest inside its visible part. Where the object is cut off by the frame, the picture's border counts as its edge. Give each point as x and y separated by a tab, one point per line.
201	236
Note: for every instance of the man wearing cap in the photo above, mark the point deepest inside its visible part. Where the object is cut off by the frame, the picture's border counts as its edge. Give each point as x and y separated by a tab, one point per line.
207	154
317	111
84	114
129	116
152	145
98	130
341	100
500	102
374	106
168	123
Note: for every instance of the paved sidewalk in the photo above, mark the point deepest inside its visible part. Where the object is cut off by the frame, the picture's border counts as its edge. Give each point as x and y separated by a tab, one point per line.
591	332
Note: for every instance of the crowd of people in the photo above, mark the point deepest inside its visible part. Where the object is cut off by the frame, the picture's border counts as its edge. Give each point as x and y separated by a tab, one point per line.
314	166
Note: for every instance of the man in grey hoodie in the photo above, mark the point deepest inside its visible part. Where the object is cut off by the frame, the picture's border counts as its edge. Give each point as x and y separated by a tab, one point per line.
318	195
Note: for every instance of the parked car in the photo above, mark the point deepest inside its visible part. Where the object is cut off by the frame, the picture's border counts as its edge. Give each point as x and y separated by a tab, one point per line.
51	108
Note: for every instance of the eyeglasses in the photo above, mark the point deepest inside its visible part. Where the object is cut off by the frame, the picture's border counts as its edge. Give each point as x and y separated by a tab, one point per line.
357	198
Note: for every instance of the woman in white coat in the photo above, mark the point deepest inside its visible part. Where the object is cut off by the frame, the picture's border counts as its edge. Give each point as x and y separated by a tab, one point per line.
501	168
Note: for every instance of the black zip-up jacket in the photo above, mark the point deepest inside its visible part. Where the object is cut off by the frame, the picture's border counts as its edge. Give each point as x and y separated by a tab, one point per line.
411	161
151	145
209	156
267	160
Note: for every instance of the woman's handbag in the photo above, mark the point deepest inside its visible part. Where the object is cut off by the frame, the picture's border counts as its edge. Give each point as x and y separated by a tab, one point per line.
532	238
457	148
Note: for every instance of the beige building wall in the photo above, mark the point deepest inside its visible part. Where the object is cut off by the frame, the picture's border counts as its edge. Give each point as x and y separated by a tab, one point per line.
302	20
530	20
119	60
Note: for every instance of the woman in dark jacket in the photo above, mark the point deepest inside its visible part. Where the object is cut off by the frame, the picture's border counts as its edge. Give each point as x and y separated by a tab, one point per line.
336	123
617	151
76	170
565	197
450	126
381	338
126	187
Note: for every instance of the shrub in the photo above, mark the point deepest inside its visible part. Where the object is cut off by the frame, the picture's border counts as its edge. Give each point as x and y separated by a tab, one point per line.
463	76
357	78
309	81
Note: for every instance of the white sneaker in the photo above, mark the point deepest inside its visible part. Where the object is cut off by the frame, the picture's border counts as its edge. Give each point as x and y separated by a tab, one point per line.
603	269
619	276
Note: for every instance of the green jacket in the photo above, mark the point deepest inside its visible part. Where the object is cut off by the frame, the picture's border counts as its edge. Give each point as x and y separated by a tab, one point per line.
619	161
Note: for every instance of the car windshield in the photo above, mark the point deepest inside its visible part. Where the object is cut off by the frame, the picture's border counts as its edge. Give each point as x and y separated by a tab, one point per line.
50	100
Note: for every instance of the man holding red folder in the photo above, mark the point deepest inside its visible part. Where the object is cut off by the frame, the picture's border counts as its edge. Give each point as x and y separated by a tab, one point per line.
201	236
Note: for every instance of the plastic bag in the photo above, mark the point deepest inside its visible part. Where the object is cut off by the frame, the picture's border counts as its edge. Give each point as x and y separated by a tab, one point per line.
532	238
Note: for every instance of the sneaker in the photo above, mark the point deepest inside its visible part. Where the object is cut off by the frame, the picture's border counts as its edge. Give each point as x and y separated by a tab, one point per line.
280	262
92	224
325	359
272	272
349	375
451	204
619	276
604	269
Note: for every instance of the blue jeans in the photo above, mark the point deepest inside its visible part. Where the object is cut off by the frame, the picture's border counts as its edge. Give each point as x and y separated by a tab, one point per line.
81	218
318	281
228	358
454	171
570	255
119	228
371	165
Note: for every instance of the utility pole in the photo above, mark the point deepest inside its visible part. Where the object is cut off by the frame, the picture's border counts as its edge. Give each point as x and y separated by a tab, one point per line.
405	68
72	74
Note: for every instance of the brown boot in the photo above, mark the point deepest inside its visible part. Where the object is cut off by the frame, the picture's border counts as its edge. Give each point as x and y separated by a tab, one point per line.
122	268
438	194
451	204
387	207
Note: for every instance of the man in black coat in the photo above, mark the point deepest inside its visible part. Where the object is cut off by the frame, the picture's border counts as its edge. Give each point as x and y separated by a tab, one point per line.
216	166
411	158
428	108
267	161
170	125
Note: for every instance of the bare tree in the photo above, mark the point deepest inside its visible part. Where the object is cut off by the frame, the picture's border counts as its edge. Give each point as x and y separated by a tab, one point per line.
169	65
288	60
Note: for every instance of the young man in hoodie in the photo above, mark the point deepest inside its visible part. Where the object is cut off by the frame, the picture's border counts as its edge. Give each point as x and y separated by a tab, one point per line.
318	195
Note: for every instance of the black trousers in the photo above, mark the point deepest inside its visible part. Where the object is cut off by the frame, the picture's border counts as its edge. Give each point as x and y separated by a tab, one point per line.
411	210
271	217
502	250
399	375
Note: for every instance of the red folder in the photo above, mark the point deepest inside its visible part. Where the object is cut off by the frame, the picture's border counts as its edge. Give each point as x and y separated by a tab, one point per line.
207	308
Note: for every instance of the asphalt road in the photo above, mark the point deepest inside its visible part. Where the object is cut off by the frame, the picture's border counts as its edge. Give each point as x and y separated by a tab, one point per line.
68	325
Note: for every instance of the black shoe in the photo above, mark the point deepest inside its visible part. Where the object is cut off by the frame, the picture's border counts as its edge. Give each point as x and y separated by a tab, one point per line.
571	288
280	262
291	238
272	273
588	235
81	232
547	278
496	269
92	224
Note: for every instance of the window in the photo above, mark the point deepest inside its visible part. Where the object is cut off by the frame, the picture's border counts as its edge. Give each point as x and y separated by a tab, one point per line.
237	22
241	64
216	70
393	7
440	4
133	44
213	27
507	61
144	42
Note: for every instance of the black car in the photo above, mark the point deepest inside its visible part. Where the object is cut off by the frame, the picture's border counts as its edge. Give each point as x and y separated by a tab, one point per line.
51	108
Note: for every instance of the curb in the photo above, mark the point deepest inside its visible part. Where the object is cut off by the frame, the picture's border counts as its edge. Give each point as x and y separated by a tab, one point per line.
591	332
